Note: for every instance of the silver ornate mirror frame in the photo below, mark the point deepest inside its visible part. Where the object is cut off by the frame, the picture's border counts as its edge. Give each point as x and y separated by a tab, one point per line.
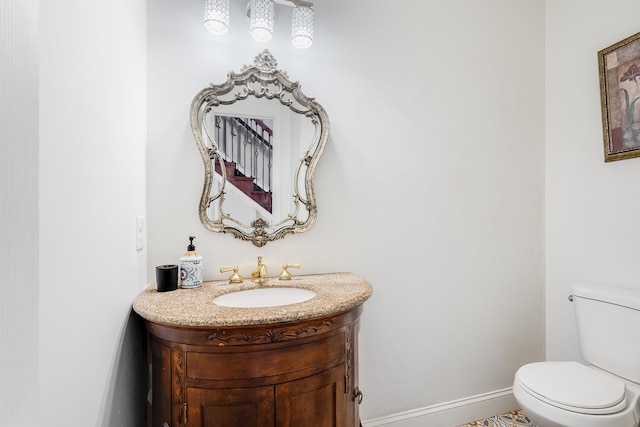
260	80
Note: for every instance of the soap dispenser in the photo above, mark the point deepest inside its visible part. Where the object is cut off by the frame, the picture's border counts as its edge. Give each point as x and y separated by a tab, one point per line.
191	267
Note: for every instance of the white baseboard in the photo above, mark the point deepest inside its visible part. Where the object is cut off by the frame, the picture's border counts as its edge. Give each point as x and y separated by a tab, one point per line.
451	414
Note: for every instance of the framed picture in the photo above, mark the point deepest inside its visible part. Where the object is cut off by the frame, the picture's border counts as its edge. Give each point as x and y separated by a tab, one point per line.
619	69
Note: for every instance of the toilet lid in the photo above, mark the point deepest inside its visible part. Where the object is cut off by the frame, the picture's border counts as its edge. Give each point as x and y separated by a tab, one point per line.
573	386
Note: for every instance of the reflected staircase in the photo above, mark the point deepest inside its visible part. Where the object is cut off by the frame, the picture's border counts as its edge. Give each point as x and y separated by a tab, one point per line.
246	185
246	146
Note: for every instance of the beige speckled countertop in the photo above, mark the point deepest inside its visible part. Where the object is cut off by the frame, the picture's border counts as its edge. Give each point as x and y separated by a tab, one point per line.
336	293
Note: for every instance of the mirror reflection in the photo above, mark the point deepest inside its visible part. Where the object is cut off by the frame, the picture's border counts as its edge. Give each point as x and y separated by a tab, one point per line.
246	147
260	139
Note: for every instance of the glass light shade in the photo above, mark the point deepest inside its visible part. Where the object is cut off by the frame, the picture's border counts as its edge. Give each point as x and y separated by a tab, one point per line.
216	16
262	14
302	27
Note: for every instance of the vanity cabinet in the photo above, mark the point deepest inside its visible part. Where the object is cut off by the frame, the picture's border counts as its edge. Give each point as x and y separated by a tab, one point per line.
293	374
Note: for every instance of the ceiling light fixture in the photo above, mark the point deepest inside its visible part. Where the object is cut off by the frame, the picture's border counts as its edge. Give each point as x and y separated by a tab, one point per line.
302	26
216	16
261	15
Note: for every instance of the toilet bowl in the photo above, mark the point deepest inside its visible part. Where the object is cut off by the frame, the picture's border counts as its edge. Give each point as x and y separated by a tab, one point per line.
604	392
570	394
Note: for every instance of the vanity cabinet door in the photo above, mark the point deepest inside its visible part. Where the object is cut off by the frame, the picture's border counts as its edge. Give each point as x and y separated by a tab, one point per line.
318	401
246	407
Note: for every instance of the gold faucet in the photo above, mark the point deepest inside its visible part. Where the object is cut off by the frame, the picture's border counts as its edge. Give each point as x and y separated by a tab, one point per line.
260	273
235	277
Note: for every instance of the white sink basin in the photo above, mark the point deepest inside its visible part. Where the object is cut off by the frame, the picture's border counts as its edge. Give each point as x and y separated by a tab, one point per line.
264	297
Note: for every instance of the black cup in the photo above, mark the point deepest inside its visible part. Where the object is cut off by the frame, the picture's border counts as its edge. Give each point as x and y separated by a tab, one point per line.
167	278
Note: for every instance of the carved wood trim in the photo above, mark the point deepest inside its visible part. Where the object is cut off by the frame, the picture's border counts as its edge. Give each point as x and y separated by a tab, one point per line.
179	385
222	337
349	348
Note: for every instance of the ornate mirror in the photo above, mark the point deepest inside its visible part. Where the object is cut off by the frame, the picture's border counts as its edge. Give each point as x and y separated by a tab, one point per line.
260	139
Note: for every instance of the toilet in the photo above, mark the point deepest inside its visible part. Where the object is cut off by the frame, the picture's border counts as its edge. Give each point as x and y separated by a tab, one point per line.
603	393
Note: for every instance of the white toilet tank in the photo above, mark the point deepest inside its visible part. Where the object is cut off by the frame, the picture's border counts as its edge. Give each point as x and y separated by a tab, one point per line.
608	320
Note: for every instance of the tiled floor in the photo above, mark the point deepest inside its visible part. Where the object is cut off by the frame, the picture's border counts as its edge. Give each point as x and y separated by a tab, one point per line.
512	419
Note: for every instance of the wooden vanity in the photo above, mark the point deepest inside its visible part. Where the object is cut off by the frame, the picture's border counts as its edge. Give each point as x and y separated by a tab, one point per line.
294	365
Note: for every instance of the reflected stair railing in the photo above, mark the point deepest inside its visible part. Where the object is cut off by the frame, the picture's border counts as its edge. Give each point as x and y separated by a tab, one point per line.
246	146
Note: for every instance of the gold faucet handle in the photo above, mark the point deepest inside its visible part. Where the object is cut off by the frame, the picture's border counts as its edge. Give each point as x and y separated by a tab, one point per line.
235	277
285	275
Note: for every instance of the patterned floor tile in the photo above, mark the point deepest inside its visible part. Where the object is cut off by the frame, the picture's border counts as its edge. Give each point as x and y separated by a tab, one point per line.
511	419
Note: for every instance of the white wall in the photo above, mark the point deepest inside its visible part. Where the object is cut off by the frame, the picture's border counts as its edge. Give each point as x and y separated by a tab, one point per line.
456	254
92	145
18	212
591	206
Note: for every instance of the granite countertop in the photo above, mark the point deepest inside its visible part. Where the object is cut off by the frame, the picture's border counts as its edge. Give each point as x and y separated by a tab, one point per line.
336	293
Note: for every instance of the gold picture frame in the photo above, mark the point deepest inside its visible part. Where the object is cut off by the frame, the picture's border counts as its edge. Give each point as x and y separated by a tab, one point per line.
619	70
